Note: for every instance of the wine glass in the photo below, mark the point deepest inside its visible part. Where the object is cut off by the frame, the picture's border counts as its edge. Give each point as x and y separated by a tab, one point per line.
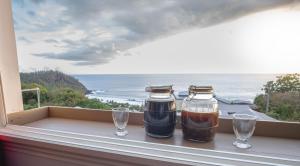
120	116
243	127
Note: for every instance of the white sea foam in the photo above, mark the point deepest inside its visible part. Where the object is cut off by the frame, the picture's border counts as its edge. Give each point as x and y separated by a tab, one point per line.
107	99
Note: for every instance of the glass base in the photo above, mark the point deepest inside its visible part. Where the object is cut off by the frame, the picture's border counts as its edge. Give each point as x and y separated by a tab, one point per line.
160	136
121	133
241	144
198	140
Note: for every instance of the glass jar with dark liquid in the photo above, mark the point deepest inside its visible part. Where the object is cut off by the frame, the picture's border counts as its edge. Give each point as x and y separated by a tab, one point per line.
200	114
160	112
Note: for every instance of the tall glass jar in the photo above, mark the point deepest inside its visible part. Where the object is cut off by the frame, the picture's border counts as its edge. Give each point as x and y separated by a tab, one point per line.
160	112
200	114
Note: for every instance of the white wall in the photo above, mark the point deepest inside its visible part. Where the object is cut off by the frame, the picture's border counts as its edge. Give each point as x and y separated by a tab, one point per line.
8	60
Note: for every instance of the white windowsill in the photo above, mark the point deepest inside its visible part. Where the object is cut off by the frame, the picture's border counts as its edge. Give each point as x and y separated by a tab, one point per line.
137	149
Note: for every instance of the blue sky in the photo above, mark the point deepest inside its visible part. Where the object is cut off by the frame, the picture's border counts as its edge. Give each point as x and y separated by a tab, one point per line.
109	36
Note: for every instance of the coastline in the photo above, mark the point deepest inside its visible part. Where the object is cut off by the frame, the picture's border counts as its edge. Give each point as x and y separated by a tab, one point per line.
139	101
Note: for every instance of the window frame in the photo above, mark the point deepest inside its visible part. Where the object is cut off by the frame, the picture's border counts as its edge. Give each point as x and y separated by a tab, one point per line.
20	138
3	115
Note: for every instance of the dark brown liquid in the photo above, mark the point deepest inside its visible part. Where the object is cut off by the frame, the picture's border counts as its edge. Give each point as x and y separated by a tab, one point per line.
160	118
199	126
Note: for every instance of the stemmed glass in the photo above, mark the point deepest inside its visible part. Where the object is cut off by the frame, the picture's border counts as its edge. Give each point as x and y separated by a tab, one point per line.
243	127
120	116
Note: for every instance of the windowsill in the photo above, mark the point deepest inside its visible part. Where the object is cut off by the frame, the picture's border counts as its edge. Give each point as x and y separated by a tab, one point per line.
54	127
222	142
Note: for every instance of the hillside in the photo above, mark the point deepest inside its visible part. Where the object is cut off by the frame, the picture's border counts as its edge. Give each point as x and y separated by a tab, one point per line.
53	80
59	89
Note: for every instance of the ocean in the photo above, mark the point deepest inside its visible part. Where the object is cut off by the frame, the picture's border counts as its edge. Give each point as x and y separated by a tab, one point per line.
130	88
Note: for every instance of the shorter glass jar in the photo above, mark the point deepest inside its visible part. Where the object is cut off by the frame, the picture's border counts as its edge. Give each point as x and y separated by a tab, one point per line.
160	112
200	114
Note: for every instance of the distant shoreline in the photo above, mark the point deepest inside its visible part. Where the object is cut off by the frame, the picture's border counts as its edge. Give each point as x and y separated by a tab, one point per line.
129	88
178	74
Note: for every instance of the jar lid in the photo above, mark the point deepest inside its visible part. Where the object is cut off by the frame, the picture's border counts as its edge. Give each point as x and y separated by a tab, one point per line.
160	89
193	89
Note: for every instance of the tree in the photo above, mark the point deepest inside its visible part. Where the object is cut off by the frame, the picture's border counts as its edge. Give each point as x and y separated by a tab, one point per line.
284	98
93	103
30	96
284	83
66	97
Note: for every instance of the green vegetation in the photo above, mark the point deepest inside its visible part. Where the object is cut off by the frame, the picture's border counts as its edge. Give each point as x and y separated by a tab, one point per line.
284	98
30	98
59	89
52	80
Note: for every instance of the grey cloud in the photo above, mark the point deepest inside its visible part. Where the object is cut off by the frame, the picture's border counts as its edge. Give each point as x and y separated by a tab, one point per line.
31	13
46	26
19	2
51	41
15	22
38	1
82	54
24	39
141	21
22	3
182	15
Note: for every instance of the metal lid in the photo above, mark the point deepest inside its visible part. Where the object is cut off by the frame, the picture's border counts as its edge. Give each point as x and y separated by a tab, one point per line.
193	89
160	89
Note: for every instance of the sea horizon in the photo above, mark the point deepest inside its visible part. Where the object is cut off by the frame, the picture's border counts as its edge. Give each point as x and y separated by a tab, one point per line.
130	88
76	74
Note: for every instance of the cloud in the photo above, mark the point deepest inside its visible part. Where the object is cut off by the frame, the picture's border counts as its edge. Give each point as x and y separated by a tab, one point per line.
38	1
31	13
107	27
81	52
51	41
82	56
24	39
